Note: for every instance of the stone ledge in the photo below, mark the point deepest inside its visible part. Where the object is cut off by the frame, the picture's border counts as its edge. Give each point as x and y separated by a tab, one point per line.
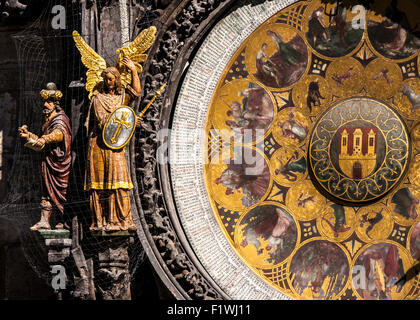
101	233
54	234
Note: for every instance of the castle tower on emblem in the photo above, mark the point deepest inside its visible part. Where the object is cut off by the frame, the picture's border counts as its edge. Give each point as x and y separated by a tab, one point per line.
357	151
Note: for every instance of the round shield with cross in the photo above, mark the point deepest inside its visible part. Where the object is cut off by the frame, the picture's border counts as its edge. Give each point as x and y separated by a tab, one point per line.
119	127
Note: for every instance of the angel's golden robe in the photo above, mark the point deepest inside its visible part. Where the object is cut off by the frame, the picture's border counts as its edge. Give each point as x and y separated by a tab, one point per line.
107	175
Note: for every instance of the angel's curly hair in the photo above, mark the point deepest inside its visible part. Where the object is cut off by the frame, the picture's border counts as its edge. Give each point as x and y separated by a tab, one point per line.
114	71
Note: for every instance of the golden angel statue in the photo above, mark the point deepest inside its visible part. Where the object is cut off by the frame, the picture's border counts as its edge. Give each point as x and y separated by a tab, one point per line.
110	124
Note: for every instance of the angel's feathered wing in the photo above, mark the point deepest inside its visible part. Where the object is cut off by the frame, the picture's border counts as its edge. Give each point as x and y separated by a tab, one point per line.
92	61
136	52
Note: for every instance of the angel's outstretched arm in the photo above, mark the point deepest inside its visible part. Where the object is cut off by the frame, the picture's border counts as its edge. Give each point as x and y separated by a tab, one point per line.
135	82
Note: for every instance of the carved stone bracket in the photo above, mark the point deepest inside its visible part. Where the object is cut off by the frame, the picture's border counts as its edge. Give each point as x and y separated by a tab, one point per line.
113	275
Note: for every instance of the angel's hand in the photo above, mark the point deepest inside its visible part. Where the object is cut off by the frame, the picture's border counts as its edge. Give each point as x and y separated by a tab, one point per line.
129	63
23	132
138	120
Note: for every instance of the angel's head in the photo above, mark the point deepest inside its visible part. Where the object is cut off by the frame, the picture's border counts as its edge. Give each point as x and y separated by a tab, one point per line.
112	79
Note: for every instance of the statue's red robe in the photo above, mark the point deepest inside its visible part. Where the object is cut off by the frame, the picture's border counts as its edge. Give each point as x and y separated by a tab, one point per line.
56	160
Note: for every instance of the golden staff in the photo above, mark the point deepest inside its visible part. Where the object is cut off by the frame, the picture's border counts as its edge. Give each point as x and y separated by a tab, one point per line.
157	93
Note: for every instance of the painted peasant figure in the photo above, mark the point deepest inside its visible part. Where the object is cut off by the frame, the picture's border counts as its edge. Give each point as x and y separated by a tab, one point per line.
107	176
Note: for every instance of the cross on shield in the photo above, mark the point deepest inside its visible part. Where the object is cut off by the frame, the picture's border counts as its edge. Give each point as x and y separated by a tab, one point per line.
122	123
119	127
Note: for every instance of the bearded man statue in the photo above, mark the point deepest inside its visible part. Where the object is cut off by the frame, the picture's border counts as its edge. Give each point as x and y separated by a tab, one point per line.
55	145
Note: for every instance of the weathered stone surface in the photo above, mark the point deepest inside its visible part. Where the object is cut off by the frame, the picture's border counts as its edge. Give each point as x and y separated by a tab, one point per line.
53	237
113	275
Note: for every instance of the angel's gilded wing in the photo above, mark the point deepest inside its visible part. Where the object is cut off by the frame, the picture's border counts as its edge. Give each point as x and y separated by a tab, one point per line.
92	61
136	52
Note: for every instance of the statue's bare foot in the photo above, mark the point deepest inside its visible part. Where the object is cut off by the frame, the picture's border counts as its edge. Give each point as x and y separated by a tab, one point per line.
61	226
96	228
130	226
41	225
112	228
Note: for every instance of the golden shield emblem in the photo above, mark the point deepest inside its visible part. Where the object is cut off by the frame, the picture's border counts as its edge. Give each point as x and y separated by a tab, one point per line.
119	127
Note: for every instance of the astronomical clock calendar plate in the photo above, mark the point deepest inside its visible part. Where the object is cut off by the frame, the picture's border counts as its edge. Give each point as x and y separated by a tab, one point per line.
320	199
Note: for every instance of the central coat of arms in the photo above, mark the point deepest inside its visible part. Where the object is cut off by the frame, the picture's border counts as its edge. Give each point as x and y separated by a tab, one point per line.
359	151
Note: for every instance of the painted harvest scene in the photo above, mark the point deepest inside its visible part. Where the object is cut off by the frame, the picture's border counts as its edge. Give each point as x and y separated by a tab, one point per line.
314	151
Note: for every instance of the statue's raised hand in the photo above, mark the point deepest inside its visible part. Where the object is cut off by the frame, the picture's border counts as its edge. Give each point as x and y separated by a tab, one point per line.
23	131
129	63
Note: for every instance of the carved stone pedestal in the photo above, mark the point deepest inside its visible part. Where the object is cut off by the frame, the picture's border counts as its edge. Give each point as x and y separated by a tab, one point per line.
58	243
113	275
